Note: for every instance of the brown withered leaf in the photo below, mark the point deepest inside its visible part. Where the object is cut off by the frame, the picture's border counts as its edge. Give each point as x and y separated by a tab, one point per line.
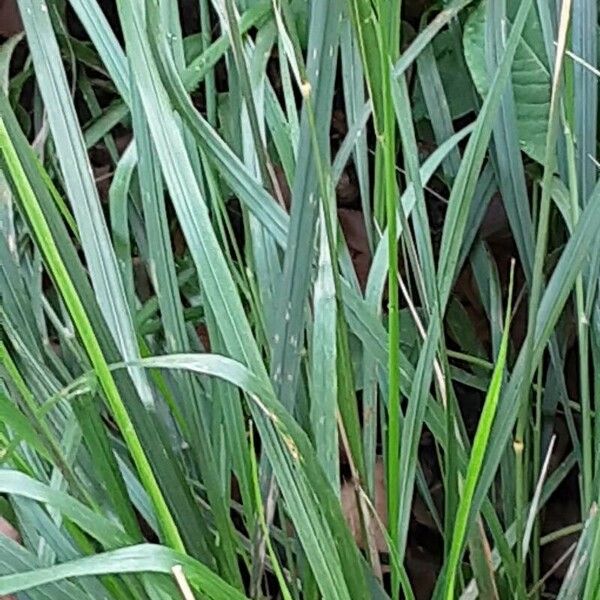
7	530
353	225
10	19
346	191
421	564
352	515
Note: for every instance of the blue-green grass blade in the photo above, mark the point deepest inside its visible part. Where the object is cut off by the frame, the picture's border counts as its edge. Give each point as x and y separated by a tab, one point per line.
80	185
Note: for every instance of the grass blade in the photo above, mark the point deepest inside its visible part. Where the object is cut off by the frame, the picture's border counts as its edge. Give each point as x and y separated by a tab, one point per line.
144	558
80	184
462	523
86	332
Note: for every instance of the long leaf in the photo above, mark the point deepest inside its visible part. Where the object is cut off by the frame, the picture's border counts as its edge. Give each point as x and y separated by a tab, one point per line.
144	558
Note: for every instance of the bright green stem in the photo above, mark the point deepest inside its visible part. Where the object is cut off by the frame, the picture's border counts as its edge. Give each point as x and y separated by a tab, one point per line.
537	282
84	328
592	584
537	465
583	344
390	19
380	208
393	434
210	92
520	487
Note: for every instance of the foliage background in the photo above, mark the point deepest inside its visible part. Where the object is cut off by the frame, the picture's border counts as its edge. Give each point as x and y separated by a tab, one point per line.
299	299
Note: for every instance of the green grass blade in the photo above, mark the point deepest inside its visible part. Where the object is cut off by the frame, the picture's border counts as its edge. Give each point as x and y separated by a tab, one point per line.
16	559
119	200
464	185
297	262
324	385
354	98
507	155
581	576
296	442
462	523
223	298
424	38
411	431
80	184
144	558
437	106
107	45
86	332
190	400
378	271
584	44
150	430
580	245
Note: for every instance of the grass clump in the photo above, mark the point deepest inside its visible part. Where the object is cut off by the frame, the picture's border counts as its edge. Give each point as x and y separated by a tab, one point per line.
299	299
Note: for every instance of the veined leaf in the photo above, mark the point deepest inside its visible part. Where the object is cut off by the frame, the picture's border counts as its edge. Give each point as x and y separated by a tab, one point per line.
531	78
